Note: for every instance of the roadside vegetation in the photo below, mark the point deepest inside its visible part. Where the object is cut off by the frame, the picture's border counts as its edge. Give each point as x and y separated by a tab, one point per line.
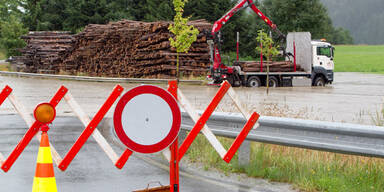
359	58
378	117
2	54
4	67
307	170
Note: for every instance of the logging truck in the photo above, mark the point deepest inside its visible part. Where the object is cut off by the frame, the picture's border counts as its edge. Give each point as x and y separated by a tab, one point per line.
304	58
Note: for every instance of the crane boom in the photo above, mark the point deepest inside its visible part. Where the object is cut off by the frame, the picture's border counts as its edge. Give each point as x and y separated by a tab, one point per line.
242	5
217	65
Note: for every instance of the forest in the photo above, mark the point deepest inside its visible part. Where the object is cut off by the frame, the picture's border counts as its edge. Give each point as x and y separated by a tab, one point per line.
20	16
364	19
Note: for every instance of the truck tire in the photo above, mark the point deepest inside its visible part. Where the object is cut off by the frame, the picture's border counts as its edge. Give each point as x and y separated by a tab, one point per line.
254	81
319	81
273	82
232	79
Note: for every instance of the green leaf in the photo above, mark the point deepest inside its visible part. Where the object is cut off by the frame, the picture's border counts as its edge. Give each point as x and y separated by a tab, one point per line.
10	32
184	34
270	49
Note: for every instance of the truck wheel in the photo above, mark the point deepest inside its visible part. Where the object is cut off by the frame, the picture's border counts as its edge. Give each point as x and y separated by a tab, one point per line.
254	82
232	80
319	81
273	82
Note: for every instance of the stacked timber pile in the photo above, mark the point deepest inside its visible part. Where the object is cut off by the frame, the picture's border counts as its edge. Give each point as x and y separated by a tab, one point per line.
135	49
43	50
274	66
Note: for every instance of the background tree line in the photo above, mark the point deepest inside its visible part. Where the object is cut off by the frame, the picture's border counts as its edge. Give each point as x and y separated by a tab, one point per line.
364	19
73	15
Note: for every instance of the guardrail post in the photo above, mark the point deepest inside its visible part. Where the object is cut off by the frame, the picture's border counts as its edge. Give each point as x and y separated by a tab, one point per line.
244	153
182	135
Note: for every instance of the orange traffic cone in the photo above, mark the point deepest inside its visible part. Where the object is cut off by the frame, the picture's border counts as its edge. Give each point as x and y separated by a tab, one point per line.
44	180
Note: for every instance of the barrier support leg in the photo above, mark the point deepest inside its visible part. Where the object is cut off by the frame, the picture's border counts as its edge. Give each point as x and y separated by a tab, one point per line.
174	148
174	167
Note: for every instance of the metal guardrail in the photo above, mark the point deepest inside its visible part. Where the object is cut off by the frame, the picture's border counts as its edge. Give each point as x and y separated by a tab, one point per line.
97	79
326	136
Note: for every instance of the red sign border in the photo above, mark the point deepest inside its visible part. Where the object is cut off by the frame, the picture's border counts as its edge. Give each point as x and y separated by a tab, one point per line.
167	97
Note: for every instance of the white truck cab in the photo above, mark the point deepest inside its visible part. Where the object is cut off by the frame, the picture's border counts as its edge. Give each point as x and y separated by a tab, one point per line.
314	56
322	54
322	62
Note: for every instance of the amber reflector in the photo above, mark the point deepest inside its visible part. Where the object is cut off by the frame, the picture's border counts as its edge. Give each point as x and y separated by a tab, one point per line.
45	113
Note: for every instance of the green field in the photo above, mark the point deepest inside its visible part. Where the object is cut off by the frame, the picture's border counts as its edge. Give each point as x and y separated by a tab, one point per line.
359	58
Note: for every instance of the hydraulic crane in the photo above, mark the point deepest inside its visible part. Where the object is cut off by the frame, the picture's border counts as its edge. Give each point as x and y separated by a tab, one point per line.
219	69
314	58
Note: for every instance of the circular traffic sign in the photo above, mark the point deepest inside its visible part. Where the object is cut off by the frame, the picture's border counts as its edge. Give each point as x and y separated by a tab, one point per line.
147	119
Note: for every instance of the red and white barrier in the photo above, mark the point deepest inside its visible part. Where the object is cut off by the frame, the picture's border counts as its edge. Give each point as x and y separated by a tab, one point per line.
174	153
91	129
32	124
201	123
63	163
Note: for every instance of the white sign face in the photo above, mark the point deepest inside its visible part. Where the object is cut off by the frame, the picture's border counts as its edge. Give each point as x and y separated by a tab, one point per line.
147	119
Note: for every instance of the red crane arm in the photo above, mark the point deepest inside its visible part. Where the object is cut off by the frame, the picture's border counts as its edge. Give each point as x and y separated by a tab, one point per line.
217	65
223	20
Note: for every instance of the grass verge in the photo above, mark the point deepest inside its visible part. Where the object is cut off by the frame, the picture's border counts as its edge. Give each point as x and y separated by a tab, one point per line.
5	67
359	58
307	170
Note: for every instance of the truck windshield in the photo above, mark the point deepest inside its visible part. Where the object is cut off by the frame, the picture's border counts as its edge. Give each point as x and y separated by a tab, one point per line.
326	51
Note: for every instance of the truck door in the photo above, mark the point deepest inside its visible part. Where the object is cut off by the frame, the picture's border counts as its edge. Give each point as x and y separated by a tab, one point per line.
322	63
324	57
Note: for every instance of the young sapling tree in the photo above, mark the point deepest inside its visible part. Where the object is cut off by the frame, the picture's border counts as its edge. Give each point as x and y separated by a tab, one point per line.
183	34
268	49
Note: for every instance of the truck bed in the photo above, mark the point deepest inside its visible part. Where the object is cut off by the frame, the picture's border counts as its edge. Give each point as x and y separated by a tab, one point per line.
297	73
274	66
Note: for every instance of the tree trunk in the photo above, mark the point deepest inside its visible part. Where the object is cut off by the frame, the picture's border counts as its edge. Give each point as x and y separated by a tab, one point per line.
177	67
267	82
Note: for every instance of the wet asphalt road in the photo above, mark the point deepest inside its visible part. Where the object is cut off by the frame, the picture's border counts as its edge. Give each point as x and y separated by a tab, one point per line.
91	170
353	98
